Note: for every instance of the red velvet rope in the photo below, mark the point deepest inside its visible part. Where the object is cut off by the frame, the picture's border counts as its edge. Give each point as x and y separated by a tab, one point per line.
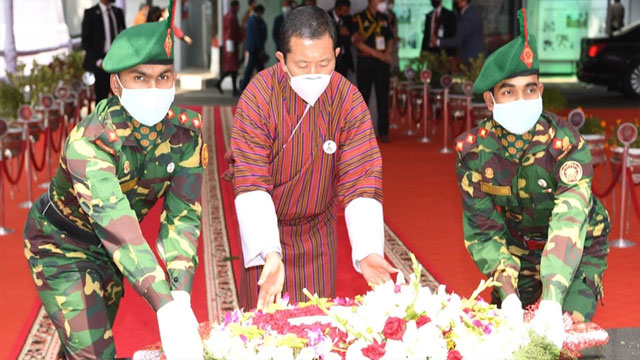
416	119
406	103
54	147
609	187
47	134
15	180
634	196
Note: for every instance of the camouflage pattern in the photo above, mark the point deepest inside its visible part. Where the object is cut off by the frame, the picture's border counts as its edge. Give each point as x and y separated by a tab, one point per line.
106	184
545	196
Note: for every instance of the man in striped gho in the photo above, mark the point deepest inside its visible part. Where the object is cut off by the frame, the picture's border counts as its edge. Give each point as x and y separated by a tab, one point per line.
302	143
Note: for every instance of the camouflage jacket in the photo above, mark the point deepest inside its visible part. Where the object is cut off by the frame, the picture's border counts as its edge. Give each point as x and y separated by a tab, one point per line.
547	195
106	184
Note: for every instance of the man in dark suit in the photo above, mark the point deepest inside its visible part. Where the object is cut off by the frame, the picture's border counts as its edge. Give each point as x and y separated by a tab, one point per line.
469	37
256	35
345	28
100	25
277	22
439	23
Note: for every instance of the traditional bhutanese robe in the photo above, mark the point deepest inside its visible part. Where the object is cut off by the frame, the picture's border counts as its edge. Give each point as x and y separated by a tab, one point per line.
305	182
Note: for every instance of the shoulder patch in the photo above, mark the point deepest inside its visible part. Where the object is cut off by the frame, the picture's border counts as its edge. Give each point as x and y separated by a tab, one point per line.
105	147
186	118
466	141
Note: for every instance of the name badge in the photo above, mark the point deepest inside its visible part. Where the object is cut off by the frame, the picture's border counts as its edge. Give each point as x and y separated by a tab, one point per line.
440	32
495	189
329	147
380	44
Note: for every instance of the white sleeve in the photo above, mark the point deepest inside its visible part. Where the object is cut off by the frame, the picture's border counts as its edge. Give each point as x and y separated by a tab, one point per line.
365	224
258	226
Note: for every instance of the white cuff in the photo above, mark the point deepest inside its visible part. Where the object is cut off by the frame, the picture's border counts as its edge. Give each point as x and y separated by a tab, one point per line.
258	227
365	224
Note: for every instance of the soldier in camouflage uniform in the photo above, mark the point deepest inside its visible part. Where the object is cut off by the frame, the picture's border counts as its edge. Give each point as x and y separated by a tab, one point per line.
529	215
83	235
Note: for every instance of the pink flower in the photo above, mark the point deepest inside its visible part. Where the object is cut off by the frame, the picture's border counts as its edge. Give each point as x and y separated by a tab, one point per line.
374	351
422	320
394	328
454	355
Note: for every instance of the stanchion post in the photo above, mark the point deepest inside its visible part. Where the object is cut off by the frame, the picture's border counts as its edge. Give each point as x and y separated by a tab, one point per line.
88	79
4	129
25	116
627	134
425	76
467	88
446	82
410	74
394	98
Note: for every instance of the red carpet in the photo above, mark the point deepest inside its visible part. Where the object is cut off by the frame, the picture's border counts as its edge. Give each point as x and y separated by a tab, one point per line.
422	204
349	282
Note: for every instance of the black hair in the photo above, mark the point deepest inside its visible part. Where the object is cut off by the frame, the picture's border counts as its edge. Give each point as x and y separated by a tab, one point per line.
154	14
306	22
235	3
259	9
340	3
251	2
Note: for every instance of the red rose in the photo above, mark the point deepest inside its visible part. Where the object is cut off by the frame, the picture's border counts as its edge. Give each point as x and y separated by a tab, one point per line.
394	328
422	320
374	351
454	355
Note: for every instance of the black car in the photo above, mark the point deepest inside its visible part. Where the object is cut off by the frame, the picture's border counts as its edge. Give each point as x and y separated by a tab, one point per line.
613	61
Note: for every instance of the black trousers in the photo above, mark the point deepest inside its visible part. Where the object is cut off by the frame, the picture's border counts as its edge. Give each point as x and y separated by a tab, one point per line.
372	71
254	62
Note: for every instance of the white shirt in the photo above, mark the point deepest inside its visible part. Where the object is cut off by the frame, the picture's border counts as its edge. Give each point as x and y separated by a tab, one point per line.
107	25
436	13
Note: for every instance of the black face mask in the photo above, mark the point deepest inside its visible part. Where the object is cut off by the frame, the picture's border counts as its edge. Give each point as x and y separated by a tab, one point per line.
436	3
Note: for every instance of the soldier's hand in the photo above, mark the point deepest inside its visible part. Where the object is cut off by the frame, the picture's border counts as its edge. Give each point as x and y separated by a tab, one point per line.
271	281
179	331
376	270
548	322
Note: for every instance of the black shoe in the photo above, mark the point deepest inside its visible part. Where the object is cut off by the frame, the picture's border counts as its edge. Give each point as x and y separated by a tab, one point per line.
219	87
385	139
236	93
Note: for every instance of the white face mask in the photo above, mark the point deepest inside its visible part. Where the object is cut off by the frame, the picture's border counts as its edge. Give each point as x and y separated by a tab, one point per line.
382	7
147	106
517	117
309	87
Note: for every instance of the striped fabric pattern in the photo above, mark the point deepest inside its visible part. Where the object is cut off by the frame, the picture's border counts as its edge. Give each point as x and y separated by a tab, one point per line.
306	183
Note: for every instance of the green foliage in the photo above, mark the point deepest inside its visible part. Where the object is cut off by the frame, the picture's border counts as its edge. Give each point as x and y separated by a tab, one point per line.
553	100
592	126
539	348
42	79
470	72
10	100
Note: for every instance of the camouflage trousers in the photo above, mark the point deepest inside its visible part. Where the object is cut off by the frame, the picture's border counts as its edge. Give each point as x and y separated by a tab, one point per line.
80	288
584	292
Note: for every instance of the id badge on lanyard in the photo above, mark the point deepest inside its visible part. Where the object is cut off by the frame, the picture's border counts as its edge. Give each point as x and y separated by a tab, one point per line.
380	43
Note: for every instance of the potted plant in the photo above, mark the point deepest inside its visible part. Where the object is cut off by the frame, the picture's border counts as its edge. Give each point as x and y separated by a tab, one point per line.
617	148
592	132
10	100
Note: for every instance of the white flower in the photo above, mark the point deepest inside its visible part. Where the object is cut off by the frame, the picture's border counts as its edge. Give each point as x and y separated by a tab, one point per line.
306	354
273	352
332	356
218	343
354	352
395	349
239	350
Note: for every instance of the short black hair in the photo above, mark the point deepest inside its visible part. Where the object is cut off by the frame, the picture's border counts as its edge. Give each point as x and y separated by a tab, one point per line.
340	3
306	22
235	3
259	9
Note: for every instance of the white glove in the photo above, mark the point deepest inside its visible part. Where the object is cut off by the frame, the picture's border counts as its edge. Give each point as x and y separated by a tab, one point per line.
548	322
182	297
179	332
512	309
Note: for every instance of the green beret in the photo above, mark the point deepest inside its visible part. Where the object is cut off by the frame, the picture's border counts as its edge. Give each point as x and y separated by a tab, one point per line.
148	43
518	57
